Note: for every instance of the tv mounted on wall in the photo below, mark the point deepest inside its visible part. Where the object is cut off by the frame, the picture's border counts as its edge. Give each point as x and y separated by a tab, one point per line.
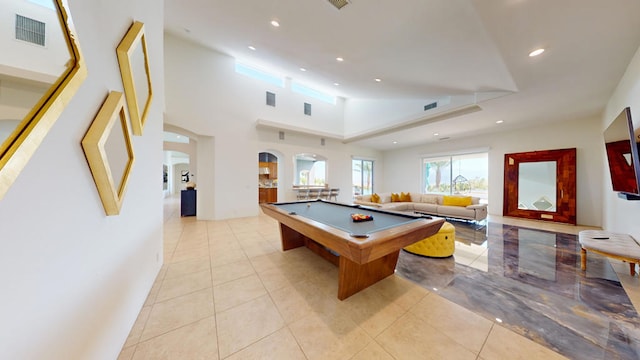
623	148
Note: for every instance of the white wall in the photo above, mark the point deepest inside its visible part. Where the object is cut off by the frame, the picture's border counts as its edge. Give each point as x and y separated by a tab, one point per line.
206	96
622	215
73	280
403	171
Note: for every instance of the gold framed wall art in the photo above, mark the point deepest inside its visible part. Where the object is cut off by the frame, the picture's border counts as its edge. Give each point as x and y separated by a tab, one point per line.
51	71
109	151
133	59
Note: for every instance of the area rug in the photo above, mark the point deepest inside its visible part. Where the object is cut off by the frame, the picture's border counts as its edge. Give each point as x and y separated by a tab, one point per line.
535	287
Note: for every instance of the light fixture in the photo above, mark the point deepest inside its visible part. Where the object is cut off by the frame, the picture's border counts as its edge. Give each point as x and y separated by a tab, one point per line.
536	52
303	69
499	121
394	142
336	84
339	59
436	134
378	79
498	320
252	48
275	23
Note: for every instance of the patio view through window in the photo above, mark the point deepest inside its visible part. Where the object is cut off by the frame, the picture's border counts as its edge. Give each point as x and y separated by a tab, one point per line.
362	174
457	174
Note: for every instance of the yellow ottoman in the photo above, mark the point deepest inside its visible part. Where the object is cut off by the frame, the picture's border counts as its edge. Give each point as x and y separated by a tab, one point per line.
439	245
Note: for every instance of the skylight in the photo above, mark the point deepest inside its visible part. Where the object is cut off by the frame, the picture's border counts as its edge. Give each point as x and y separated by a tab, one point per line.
301	89
259	74
45	3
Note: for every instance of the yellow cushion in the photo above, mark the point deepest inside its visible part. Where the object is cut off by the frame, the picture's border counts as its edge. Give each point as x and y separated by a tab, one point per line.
395	197
375	198
456	200
405	197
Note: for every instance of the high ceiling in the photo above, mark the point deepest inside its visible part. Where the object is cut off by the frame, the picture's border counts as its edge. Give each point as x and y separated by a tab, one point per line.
430	50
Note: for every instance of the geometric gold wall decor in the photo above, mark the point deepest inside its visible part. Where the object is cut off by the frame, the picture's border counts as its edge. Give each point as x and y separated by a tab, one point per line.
50	74
136	79
107	146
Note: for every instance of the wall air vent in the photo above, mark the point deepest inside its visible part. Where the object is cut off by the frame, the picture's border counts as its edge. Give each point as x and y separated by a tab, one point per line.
339	4
30	30
433	105
271	99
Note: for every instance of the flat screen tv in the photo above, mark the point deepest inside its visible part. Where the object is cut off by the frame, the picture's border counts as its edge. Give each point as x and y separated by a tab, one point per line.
623	148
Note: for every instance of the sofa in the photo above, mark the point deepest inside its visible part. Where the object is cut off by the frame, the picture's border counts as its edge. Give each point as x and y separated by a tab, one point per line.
449	206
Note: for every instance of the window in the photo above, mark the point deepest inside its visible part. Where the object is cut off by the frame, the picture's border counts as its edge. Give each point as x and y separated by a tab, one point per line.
362	174
310	170
457	174
259	74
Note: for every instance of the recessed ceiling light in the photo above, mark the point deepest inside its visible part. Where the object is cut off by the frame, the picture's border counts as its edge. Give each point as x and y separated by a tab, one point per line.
499	121
303	69
436	134
395	142
252	48
339	59
536	52
336	84
378	79
275	23
187	30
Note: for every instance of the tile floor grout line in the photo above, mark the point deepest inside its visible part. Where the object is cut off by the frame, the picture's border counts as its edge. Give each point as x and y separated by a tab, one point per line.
493	323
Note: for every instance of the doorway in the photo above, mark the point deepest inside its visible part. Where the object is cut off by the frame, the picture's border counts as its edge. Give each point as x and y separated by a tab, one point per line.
541	185
267	177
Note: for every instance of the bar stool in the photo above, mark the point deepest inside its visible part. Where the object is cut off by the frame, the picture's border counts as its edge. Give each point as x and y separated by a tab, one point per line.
314	193
303	194
325	193
333	193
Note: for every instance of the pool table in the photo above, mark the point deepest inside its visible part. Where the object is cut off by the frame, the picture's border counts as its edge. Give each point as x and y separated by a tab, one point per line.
365	252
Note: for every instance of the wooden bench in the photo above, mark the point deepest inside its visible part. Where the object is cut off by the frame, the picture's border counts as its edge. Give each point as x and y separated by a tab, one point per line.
618	246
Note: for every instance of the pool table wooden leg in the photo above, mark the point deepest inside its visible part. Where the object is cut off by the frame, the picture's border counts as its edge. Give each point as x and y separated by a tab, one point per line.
354	277
291	239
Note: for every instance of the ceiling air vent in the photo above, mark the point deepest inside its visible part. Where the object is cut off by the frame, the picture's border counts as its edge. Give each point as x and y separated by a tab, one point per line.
339	4
30	30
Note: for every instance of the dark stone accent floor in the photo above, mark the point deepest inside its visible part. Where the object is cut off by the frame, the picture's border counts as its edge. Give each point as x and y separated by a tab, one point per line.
535	286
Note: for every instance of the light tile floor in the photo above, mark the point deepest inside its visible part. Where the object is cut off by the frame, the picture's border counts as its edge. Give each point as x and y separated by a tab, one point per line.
226	291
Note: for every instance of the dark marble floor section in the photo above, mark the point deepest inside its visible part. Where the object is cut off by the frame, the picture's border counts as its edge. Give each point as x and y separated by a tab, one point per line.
534	285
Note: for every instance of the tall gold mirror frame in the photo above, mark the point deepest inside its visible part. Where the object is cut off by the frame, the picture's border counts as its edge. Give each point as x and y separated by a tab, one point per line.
15	154
134	41
111	186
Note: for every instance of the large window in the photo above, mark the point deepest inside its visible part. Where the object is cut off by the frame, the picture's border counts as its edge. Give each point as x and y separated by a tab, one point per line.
457	174
362	174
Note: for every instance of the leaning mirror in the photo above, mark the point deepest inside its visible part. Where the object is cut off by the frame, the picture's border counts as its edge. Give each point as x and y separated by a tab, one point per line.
41	68
134	69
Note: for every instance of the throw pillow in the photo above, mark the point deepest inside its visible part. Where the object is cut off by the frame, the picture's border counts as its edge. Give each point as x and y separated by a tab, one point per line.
456	200
405	197
375	198
395	197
